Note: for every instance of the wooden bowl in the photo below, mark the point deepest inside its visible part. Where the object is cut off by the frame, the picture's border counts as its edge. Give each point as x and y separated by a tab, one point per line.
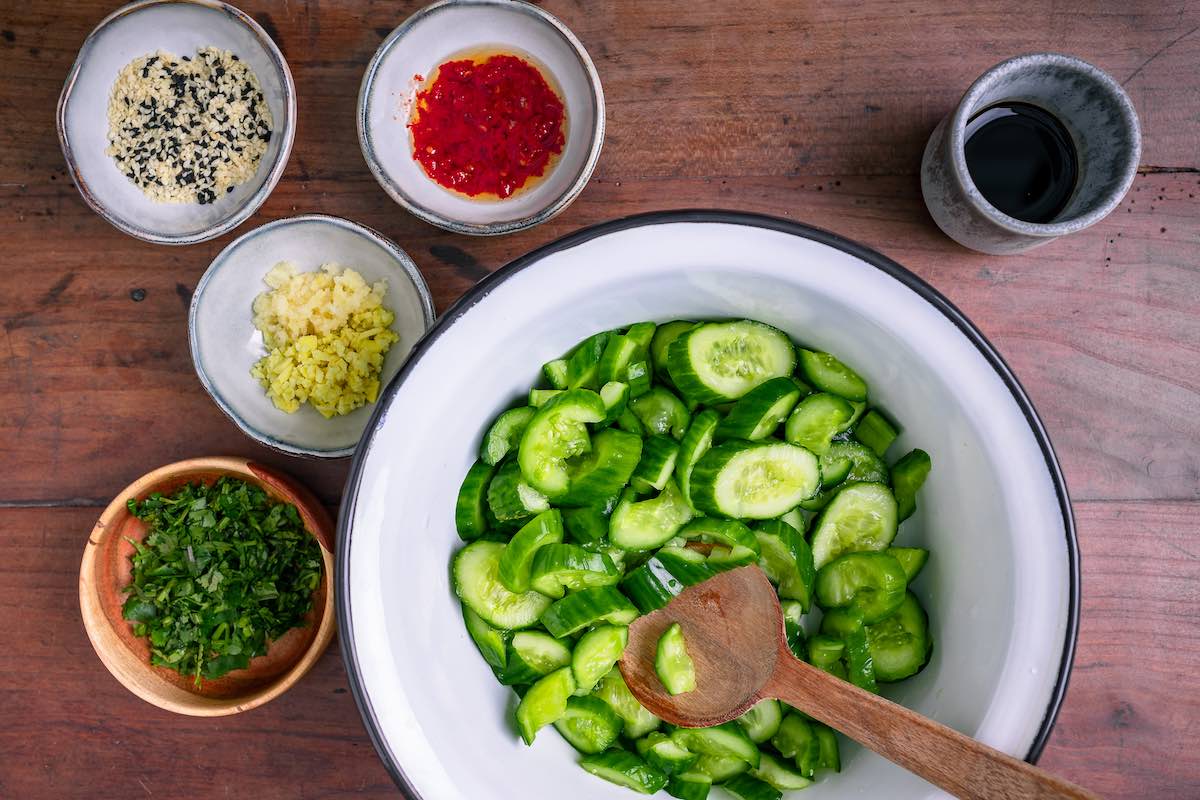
106	570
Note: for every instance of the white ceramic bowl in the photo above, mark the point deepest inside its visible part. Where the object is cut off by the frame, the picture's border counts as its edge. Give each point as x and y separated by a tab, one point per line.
1001	585
180	27
225	344
432	36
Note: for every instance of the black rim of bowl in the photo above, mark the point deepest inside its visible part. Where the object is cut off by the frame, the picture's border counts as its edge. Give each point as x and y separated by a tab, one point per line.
875	259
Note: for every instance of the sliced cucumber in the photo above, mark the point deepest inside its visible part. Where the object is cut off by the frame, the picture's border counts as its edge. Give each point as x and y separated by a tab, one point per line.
603	471
722	361
629	423
908	475
760	412
661	412
516	563
558	567
595	654
511	498
747	787
625	769
728	532
825	652
860	517
587	607
469	510
719	768
835	473
847	624
492	643
555	373
505	434
797	740
647	524
531	655
539	397
672	662
667	573
817	420
642	333
696	442
545	703
690	785
830	757
864	464
779	775
587	525
762	721
615	396
900	645
614	364
793	628
476	574
664	753
589	725
876	432
663	337
787	560
727	740
828	374
638	721
873	583
723	558
754	480
795	518
639	378
657	463
912	559
583	366
557	432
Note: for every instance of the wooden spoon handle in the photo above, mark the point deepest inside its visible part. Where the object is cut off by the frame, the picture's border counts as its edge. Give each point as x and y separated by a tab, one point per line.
940	755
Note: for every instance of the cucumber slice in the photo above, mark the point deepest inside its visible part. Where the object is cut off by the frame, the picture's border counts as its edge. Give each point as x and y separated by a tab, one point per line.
719	768
650	523
618	354
659	454
860	517
762	721
760	412
797	740
642	333
847	624
557	567
639	378
615	396
511	498
492	643
779	775
585	608
583	365
586	525
629	423
691	785
672	662
589	725
661	412
727	532
696	442
667	573
793	628
900	645
864	464
664	754
787	560
721	361
908	475
638	721
754	480
876	432
531	655
830	758
795	518
912	559
746	787
470	518
557	432
835	473
816	420
476	577
625	769
505	434
663	337
603	471
830	375
825	652
516	563
723	558
539	397
872	583
595	654
545	703
727	740
555	373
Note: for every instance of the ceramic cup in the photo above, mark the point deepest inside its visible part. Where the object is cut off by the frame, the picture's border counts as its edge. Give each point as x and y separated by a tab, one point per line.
1093	108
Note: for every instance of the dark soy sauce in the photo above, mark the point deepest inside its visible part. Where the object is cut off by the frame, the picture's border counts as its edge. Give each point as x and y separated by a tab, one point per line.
1022	160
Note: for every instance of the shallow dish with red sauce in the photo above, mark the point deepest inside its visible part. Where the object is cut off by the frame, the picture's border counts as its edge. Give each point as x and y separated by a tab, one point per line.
480	116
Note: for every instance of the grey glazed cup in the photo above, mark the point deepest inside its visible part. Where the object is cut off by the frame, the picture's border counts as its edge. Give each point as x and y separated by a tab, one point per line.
1096	112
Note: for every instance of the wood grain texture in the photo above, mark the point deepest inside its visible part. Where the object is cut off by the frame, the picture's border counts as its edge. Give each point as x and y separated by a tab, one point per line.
817	112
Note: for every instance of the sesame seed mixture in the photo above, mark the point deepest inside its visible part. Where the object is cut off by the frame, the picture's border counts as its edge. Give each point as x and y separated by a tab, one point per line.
188	130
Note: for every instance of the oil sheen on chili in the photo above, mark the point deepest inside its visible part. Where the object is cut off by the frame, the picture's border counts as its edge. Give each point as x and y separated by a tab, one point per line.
487	126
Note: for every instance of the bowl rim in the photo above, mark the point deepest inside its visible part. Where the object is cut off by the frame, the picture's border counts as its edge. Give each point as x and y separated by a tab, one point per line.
397	193
407	265
251	203
274	481
762	221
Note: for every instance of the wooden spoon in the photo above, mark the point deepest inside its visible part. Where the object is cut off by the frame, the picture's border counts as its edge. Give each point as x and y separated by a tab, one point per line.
733	630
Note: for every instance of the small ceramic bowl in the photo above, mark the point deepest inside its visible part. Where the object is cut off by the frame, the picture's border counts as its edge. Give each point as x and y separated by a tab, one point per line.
225	344
180	27
106	570
442	31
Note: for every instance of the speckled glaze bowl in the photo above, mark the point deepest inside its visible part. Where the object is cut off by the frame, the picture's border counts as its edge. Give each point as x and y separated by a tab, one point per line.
180	27
1096	112
434	35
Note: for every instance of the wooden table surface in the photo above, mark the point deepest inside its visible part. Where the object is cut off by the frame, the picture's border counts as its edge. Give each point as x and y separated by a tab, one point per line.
813	111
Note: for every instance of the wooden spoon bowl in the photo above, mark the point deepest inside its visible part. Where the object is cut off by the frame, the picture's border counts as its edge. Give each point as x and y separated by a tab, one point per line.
106	569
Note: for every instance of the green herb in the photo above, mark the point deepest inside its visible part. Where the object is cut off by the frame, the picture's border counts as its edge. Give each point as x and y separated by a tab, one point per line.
222	571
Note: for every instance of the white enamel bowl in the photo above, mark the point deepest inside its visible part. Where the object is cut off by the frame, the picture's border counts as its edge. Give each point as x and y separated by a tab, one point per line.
1001	585
180	27
438	33
225	344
